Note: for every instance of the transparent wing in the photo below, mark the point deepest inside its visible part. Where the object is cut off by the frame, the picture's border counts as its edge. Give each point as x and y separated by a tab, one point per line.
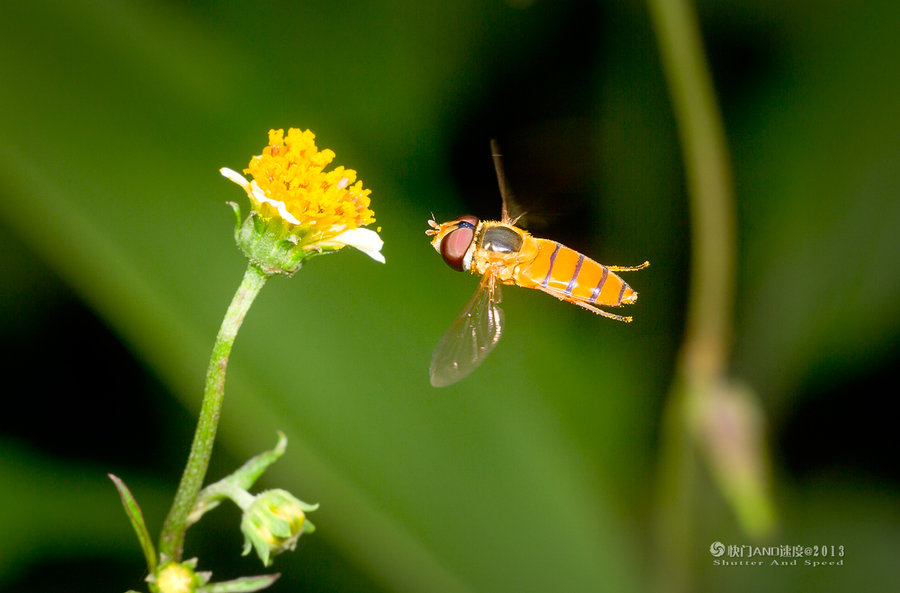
471	336
512	212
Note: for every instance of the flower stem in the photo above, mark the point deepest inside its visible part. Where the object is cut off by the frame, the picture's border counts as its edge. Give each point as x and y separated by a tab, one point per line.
172	538
709	184
705	351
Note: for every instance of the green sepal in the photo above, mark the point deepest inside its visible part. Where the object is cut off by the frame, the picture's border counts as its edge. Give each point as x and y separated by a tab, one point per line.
267	245
276	246
237	215
136	517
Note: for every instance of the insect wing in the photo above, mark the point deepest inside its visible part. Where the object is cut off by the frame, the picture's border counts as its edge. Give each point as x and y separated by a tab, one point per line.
471	336
512	212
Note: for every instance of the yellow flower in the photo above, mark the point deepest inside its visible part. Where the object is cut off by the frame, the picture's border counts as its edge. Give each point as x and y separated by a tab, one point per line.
299	202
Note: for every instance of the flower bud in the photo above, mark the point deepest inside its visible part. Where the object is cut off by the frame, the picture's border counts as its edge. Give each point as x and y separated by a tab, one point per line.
273	523
177	577
730	427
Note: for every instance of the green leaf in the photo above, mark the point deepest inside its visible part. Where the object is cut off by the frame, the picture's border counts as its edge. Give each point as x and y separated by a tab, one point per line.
247	474
133	510
241	479
241	585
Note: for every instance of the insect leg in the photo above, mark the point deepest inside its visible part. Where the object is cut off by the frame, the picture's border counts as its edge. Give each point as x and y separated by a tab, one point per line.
599	311
585	305
628	268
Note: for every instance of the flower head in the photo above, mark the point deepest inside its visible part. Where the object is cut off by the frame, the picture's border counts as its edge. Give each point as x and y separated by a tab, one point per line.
273	522
299	209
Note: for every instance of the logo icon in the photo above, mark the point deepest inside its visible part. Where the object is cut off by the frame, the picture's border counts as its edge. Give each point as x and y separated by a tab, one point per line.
717	549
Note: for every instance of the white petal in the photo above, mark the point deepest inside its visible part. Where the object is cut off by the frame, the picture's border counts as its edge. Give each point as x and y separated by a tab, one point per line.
365	240
256	193
234	176
261	198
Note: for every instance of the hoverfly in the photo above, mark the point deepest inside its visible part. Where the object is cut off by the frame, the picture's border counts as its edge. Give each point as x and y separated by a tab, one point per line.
502	253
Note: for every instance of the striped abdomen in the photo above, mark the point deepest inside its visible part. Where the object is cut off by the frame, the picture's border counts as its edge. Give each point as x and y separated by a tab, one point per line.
571	276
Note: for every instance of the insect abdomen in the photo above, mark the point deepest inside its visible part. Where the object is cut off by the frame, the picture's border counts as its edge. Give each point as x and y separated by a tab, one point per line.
573	276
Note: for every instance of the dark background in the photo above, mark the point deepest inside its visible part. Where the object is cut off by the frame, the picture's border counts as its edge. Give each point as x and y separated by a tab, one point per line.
539	471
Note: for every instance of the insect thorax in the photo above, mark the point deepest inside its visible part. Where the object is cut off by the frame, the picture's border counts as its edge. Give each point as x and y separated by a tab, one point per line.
497	251
501	239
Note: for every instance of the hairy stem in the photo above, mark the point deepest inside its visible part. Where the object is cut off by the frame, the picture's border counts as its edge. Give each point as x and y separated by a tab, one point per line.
172	538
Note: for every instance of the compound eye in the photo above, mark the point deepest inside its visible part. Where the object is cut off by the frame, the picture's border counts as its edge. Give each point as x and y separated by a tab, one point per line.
455	244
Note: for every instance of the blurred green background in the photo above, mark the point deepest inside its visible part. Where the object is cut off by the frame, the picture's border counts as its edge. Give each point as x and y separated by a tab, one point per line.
538	473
